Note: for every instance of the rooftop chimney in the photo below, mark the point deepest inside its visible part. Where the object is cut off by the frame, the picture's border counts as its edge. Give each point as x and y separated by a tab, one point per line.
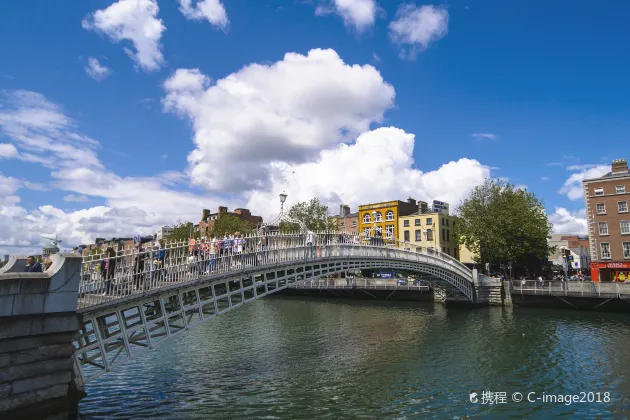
344	210
411	201
619	165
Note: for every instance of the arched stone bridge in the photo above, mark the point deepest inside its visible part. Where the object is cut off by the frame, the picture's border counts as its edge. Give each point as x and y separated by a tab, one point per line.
128	307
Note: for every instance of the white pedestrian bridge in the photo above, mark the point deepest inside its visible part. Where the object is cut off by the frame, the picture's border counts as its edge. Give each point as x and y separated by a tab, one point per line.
132	300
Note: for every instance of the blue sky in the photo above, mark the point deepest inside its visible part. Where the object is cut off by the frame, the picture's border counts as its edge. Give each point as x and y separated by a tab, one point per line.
546	83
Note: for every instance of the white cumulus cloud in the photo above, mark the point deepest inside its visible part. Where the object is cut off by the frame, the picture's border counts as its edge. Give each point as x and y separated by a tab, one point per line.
72	198
569	222
414	28
211	10
7	151
283	112
96	70
134	21
359	14
573	187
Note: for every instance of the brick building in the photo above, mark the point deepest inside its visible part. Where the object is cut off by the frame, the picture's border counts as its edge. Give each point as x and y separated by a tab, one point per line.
607	199
209	219
346	221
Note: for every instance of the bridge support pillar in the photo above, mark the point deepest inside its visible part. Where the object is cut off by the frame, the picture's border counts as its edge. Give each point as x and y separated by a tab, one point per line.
488	290
38	323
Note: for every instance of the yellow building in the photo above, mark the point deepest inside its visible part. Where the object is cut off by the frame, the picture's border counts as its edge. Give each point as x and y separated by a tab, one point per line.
384	217
429	230
466	256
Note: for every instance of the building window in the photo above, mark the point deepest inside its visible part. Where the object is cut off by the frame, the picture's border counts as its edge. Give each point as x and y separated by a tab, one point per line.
389	232
418	235
446	222
429	235
605	246
599	191
443	249
448	251
378	216
416	222
366	232
455	253
342	225
620	189
448	235
406	239
367	218
429	220
622	206
354	224
443	234
443	222
419	249
625	227
389	215
601	208
406	223
603	228
626	249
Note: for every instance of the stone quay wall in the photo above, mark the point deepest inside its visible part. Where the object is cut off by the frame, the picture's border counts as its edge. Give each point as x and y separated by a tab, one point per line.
38	323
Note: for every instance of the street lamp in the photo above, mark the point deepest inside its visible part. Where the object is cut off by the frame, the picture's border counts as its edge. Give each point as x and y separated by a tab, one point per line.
282	217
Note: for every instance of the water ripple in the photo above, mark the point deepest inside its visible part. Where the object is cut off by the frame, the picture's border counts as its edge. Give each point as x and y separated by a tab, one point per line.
307	359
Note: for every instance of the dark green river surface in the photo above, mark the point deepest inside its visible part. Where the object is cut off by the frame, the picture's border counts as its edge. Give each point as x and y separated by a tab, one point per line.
292	358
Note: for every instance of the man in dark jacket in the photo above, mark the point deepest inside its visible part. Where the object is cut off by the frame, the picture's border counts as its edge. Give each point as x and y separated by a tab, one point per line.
32	265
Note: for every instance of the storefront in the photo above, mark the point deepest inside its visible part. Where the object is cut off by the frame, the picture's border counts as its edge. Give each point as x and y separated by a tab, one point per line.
610	271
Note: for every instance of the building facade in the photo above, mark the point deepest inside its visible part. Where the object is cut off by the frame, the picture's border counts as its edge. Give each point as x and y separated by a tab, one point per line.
346	221
429	231
607	200
209	219
575	244
383	217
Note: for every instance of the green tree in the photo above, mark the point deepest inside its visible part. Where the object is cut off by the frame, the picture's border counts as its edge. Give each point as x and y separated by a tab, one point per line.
181	231
312	213
230	224
498	222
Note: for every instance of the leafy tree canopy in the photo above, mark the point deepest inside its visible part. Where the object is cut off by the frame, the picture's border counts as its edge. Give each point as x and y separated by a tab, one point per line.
312	213
181	231
230	224
498	222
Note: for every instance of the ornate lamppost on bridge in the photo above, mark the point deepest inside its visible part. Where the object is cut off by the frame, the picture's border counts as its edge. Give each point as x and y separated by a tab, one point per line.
282	217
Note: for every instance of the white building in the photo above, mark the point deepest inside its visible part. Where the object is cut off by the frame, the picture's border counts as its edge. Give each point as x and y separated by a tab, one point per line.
581	255
163	232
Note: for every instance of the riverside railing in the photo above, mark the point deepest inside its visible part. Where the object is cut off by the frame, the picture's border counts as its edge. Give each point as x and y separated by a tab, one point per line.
119	273
358	283
571	288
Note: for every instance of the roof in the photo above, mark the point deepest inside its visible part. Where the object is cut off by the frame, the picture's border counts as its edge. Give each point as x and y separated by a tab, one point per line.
610	176
348	215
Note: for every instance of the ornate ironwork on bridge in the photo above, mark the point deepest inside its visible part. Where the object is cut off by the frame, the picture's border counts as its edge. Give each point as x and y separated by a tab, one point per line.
132	300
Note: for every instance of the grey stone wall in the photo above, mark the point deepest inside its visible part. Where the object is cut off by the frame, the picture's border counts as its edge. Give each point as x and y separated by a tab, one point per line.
38	322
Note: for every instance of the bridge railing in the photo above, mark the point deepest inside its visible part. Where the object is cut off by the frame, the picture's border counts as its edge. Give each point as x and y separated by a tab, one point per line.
571	288
115	274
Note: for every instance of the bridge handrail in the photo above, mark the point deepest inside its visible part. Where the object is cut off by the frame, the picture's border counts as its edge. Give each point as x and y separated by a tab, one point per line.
566	288
120	273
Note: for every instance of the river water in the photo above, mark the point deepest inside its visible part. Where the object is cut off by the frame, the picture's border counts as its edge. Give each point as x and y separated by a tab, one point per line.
292	358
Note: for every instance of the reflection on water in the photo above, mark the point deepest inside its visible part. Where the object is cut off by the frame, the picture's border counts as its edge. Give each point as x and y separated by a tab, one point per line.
282	358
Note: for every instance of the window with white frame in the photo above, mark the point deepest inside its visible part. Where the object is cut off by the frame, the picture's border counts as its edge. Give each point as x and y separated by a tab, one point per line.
625	227
622	206
620	189
429	220
367	218
378	216
389	232
416	222
603	228
605	247
354	223
389	215
342	225
626	249
600	208
418	235
366	232
599	191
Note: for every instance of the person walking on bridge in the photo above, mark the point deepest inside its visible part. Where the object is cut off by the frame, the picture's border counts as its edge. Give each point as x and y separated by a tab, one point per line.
32	265
309	243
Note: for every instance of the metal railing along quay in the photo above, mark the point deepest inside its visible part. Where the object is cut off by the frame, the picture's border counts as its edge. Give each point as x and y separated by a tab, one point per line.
361	283
571	288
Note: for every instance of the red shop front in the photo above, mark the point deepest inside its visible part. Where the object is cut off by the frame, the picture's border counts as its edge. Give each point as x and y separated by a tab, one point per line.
610	271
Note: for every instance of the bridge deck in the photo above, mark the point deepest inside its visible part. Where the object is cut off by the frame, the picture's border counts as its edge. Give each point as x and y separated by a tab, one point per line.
571	288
